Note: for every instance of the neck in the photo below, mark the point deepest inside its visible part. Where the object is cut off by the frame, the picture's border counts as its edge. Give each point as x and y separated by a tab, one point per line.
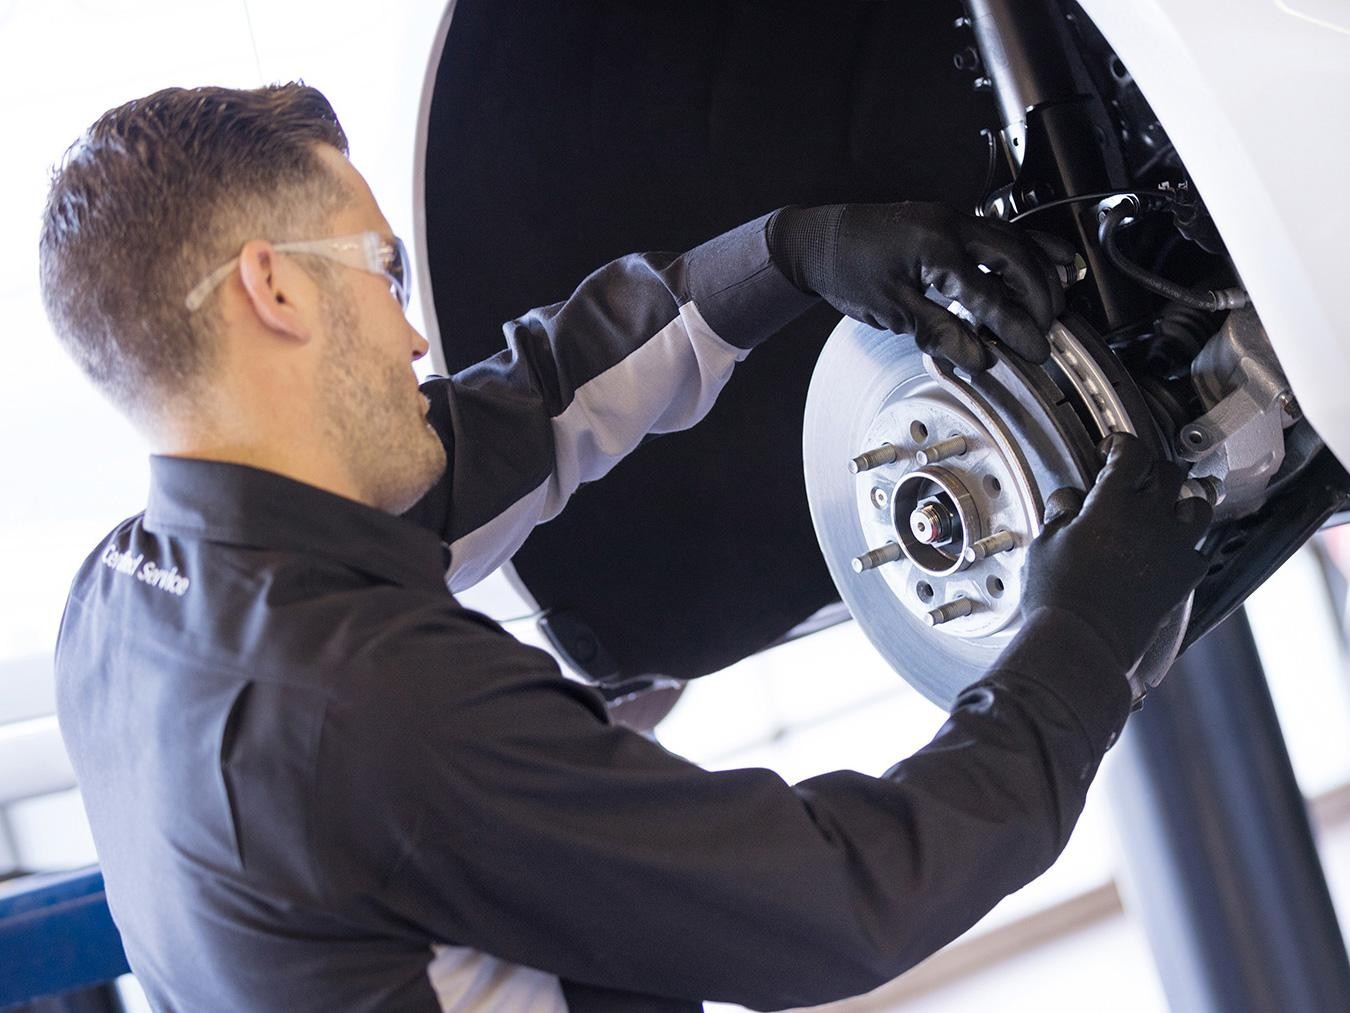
266	417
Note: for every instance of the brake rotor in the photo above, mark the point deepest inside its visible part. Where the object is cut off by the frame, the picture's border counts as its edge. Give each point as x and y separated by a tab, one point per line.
926	487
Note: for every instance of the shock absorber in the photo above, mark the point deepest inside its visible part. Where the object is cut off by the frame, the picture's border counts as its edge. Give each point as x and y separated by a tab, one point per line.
1021	45
1058	137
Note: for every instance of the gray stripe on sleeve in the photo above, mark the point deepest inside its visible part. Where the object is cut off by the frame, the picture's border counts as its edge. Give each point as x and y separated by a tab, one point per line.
468	981
660	388
669	383
482	550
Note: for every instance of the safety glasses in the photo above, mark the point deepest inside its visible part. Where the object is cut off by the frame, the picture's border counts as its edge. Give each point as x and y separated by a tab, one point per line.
365	251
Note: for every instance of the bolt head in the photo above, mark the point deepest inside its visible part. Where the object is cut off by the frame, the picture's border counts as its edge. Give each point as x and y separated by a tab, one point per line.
1194	438
967	59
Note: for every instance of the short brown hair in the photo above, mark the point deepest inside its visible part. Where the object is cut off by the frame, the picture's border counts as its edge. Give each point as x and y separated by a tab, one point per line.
157	193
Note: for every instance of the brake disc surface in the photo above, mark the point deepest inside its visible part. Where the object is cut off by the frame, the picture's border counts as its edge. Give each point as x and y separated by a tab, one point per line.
926	487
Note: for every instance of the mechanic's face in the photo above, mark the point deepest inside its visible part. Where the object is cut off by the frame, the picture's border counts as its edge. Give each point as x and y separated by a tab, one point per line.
373	411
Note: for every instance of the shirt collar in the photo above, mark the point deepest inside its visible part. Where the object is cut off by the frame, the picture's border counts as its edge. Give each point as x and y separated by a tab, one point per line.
241	505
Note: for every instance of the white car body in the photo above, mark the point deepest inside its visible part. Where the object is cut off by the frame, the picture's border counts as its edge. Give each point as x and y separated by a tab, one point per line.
1255	94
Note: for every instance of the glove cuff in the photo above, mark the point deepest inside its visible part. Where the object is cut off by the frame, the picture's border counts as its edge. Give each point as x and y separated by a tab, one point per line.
1060	650
802	244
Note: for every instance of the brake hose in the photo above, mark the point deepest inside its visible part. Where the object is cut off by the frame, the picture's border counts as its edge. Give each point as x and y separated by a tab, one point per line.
1210	300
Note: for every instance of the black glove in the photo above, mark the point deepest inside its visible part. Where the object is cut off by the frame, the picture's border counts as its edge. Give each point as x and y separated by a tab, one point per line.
1124	556
874	262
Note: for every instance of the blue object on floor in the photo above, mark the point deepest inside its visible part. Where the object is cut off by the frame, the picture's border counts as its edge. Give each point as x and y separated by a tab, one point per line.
56	934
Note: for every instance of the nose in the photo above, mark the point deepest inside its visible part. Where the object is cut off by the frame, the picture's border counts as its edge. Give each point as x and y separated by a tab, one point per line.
420	346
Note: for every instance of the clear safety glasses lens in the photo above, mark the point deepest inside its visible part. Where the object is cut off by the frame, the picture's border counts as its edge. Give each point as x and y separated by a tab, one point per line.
396	267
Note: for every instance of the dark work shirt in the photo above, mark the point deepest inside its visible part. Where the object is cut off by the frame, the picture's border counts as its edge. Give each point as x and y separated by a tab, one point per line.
317	782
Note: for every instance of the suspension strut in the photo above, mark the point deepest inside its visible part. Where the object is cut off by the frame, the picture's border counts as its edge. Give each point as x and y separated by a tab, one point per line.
1058	139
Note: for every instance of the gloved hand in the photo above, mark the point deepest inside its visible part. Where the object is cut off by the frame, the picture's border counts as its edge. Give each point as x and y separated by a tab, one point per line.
873	262
1124	556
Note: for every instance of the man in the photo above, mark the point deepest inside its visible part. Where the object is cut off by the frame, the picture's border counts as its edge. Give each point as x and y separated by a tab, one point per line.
315	782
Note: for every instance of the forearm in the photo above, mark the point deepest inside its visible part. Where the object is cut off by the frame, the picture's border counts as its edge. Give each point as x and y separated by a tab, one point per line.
918	856
990	802
644	345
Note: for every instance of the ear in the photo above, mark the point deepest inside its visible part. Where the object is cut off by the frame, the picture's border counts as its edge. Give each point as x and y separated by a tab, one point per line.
268	294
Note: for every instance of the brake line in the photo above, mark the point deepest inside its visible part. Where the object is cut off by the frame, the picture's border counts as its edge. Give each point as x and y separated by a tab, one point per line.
1209	300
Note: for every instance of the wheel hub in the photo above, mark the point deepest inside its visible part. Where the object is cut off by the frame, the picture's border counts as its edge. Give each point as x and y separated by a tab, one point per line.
927	486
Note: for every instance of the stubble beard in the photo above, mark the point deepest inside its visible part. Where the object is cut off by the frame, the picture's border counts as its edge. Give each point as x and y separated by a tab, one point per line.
374	420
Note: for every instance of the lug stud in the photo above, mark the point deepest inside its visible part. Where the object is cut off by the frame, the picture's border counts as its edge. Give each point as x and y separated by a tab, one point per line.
952	610
1000	541
887	453
873	558
940	451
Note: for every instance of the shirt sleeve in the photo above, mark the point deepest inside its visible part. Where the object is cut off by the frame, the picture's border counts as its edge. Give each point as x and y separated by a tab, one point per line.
502	812
644	345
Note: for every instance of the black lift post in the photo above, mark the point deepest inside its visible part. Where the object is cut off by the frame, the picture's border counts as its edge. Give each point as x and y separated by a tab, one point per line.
1219	852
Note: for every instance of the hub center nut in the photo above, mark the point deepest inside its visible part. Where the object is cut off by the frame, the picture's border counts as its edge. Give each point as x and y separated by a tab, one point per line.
932	523
934	518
